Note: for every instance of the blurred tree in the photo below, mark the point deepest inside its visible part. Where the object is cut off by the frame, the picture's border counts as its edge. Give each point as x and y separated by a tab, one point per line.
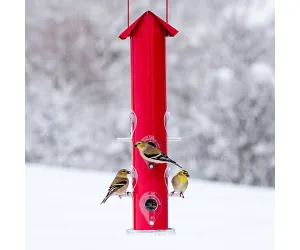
220	83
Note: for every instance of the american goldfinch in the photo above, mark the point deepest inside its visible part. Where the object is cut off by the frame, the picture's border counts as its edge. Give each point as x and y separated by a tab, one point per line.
180	182
119	184
152	153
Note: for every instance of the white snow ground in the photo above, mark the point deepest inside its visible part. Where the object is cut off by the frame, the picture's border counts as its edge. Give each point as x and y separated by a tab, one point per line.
63	213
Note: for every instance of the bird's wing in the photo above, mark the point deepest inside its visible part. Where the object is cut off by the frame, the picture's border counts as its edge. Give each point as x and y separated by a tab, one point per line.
158	156
163	157
152	150
174	181
152	156
117	183
155	154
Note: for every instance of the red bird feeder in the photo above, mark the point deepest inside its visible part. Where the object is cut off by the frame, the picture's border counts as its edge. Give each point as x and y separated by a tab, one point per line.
149	117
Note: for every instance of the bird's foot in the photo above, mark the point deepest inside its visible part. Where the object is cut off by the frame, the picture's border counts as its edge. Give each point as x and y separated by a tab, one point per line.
120	196
181	195
128	193
172	193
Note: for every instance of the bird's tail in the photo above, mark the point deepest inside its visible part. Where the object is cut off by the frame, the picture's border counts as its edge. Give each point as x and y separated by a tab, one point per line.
174	162
177	164
165	158
105	199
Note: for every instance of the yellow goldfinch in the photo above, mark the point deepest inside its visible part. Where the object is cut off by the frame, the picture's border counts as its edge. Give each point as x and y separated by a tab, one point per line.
180	182
119	184
153	154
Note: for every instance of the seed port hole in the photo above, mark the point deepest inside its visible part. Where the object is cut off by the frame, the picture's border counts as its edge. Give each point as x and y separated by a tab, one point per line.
151	204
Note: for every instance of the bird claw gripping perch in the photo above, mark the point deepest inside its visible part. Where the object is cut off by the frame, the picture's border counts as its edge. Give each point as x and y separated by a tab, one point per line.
173	194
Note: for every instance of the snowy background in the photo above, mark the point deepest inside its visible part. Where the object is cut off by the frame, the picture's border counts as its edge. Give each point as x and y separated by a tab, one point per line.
220	80
63	212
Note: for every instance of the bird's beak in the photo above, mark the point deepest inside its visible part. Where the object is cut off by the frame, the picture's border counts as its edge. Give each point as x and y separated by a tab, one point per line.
128	172
188	175
135	145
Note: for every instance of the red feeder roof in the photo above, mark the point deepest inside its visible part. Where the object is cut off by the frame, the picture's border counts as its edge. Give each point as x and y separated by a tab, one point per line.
170	31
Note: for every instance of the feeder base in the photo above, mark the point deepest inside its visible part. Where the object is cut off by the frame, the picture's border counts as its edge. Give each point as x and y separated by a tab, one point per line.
169	231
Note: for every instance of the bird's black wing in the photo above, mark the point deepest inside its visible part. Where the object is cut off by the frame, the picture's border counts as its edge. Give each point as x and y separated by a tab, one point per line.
162	157
153	156
114	187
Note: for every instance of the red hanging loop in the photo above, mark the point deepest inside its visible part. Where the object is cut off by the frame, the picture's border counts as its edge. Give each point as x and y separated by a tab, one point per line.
128	13
167	11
